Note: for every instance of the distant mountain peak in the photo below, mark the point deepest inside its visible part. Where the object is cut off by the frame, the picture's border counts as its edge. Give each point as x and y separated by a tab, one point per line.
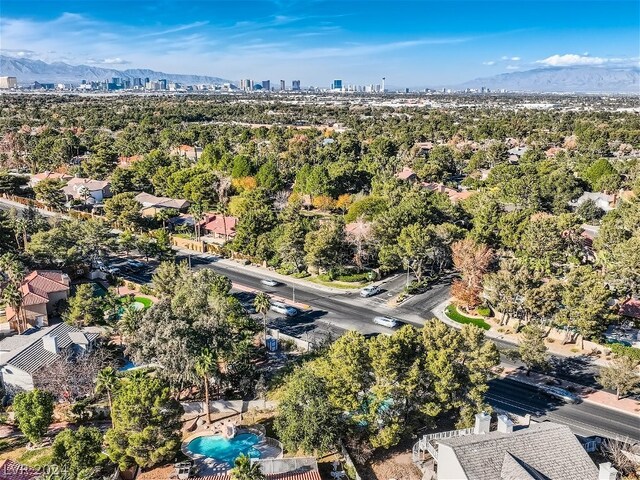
578	79
28	71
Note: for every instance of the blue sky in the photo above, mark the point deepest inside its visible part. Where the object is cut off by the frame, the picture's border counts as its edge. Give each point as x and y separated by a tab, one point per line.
411	43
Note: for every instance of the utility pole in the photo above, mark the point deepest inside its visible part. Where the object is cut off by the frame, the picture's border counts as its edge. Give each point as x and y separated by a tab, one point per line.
294	292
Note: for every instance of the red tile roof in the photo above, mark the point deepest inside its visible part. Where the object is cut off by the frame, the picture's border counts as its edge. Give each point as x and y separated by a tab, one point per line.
37	286
630	308
216	225
10	470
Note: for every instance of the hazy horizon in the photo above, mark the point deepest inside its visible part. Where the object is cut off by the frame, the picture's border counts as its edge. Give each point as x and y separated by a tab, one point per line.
409	43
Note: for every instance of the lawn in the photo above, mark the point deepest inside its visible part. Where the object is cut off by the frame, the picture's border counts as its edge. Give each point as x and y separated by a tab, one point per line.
143	300
453	313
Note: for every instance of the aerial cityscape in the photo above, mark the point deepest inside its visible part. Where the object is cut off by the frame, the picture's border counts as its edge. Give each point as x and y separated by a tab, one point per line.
294	240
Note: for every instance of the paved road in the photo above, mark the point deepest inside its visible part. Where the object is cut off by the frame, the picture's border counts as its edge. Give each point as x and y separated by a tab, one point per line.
335	312
585	419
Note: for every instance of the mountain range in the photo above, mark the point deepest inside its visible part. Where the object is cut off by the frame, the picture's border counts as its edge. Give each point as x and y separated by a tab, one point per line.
28	71
580	79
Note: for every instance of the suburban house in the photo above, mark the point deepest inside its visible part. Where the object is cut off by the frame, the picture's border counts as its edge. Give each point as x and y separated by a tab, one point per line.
41	291
220	227
187	151
87	190
152	204
125	162
630	308
603	200
453	194
47	175
540	451
407	174
516	153
23	356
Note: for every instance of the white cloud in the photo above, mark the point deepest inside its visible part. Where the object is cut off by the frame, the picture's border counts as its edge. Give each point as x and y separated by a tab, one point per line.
490	62
571	59
515	59
512	67
107	61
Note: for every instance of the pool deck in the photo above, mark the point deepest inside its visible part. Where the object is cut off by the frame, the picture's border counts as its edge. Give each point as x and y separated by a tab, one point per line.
211	466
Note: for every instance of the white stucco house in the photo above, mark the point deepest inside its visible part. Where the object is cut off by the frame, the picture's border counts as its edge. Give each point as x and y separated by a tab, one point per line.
22	356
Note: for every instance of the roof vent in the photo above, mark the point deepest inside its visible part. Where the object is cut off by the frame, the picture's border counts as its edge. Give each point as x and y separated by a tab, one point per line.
50	343
505	425
607	472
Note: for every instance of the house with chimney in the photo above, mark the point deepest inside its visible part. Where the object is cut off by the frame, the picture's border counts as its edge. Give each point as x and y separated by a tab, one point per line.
530	452
87	190
22	357
604	201
41	291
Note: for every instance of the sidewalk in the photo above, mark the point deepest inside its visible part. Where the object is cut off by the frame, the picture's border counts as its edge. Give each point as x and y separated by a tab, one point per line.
590	395
20	207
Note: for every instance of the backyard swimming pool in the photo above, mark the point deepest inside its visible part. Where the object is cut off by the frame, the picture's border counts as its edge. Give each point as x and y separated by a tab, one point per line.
225	450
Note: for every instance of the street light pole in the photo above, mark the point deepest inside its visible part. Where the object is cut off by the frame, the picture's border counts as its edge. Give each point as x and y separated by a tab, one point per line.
294	292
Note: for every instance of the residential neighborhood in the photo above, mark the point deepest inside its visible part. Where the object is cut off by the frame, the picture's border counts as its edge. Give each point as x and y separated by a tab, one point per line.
335	284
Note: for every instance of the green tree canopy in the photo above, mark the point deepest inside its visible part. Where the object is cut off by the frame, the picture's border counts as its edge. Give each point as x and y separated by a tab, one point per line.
146	424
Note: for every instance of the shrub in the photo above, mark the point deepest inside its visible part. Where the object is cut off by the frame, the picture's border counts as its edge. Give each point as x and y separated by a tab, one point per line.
550	340
625	351
484	311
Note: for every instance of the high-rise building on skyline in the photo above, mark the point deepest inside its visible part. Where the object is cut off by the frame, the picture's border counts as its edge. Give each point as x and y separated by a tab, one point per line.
295	85
8	82
266	85
336	85
163	84
282	86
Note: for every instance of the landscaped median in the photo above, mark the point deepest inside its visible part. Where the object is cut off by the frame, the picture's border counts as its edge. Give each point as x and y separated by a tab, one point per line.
452	312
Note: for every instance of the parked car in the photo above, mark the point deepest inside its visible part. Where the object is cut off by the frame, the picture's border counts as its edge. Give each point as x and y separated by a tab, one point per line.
561	394
284	309
369	291
269	282
386	322
134	265
110	269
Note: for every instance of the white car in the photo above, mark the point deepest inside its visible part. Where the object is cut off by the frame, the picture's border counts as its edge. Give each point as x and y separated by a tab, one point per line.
283	309
269	282
369	291
386	322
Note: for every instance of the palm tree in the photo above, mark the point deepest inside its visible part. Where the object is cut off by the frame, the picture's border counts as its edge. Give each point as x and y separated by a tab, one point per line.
13	270
129	320
204	366
197	212
245	470
222	189
107	381
84	193
165	214
262	304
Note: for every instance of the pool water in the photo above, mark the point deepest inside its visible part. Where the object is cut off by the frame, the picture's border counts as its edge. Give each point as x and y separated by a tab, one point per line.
225	449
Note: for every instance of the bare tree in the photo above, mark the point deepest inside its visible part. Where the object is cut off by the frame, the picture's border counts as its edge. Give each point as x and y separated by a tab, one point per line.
360	236
72	376
623	457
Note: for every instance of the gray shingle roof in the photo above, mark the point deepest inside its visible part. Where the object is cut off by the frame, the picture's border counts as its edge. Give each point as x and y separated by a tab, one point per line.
546	449
34	355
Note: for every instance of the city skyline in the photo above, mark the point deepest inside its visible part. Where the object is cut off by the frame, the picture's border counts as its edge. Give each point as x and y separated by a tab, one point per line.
409	43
